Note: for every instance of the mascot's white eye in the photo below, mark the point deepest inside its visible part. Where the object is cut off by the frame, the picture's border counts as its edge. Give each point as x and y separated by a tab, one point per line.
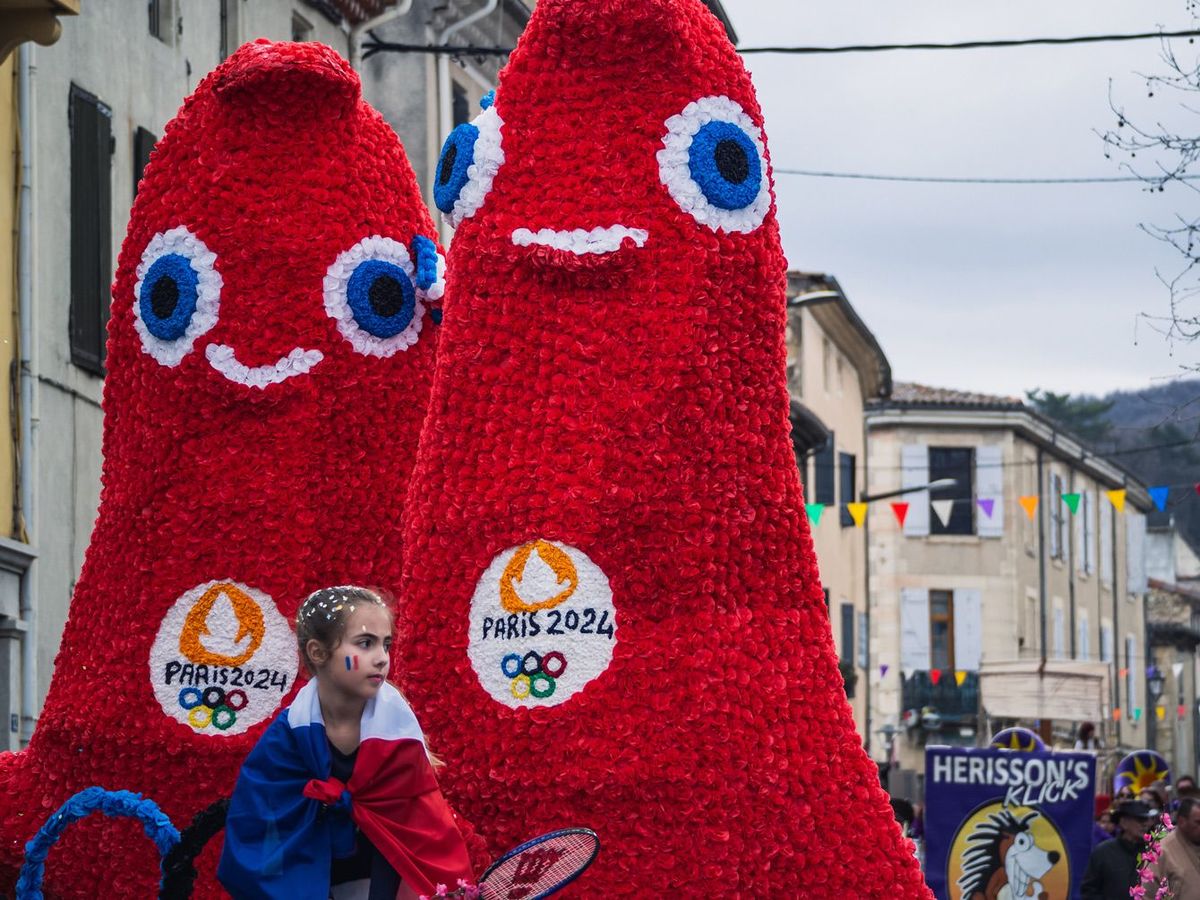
714	164
470	159
1023	842
378	295
177	294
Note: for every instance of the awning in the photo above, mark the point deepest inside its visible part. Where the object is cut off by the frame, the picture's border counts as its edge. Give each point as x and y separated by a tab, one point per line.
1066	689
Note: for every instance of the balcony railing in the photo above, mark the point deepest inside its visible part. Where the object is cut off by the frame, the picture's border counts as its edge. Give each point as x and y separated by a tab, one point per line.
941	704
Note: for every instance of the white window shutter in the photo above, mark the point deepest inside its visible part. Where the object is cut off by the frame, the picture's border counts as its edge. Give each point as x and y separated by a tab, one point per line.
1135	552
1083	643
968	629
914	471
1080	524
1106	514
914	629
1089	530
989	485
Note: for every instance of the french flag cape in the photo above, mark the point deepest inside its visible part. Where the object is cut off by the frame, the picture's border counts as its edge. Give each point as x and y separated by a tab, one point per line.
288	818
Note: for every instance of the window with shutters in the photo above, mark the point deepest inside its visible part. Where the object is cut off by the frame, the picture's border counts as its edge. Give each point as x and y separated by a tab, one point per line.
1060	631
953	507
1057	516
1106	642
91	227
302	29
846	478
143	144
824	474
847	648
162	19
941	630
1083	645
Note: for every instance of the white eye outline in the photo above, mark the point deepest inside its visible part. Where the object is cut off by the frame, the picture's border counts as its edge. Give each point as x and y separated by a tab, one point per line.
181	241
674	165
487	155
337	303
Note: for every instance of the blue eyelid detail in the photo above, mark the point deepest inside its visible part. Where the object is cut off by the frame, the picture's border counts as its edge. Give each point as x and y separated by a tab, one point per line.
426	256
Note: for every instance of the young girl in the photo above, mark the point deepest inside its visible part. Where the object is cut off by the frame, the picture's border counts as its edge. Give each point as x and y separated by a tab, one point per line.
339	798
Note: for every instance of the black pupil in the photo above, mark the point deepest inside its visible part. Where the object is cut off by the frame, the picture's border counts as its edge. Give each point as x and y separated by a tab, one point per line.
448	164
386	296
731	161
164	297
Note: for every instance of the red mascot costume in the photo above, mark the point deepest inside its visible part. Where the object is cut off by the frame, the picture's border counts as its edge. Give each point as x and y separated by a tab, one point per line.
613	616
269	357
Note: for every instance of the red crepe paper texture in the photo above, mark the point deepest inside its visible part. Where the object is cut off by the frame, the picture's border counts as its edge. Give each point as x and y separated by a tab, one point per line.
278	166
633	405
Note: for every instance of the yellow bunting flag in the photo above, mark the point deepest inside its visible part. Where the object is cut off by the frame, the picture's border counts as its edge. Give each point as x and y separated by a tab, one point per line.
959	677
1161	712
1029	504
1117	499
859	513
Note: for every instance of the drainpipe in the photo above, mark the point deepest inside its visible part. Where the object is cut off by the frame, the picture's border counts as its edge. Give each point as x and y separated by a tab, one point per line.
25	524
1041	475
357	32
1116	627
443	66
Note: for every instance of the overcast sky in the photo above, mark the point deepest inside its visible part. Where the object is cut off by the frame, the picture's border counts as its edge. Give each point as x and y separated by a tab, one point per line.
987	288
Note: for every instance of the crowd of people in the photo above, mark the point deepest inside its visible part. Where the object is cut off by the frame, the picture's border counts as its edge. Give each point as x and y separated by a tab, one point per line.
1121	833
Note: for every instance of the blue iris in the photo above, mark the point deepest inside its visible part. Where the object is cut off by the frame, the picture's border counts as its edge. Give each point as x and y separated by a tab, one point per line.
382	298
168	298
457	156
724	162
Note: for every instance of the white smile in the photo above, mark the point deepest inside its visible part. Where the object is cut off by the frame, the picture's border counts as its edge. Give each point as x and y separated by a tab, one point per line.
580	242
298	362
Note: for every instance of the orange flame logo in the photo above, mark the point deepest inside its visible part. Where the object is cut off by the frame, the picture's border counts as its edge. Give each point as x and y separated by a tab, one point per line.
224	628
536	565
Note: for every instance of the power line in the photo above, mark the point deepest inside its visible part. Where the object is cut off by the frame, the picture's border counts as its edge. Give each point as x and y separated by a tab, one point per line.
378	46
946	179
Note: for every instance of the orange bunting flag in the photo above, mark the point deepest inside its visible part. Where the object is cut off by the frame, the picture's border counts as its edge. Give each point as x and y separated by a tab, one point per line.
901	510
1117	499
959	677
1029	504
1124	672
858	512
935	675
1116	714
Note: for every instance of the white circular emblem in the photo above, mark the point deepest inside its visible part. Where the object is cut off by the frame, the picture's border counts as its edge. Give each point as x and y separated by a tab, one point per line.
224	658
543	624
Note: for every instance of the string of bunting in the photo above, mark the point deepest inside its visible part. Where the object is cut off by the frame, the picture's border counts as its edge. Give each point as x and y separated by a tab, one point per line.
944	508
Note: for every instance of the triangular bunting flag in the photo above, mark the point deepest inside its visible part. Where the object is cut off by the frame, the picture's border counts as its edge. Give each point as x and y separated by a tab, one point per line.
1159	496
943	508
883	670
1117	498
901	510
1124	672
1177	670
1137	713
987	504
935	675
814	511
1116	714
1197	486
1181	711
1029	504
908	673
1161	712
1072	501
858	512
959	677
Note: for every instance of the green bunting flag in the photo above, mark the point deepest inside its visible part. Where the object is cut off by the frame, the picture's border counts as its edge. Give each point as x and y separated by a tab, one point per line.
1072	501
814	511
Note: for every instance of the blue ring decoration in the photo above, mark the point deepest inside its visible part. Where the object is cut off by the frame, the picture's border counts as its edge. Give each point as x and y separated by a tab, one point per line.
179	269
194	694
426	256
116	804
448	185
513	659
702	163
358	294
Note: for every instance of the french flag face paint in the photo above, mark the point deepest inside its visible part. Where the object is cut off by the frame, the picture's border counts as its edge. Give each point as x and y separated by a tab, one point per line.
610	570
271	297
352	663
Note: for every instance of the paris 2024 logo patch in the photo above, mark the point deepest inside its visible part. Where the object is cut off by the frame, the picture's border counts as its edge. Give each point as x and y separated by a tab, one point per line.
542	624
223	660
1008	853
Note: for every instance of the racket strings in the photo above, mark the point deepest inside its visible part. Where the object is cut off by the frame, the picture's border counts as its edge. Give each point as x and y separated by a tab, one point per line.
539	870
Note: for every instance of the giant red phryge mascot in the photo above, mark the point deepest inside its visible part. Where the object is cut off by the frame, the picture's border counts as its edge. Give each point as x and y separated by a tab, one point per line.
613	615
270	353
